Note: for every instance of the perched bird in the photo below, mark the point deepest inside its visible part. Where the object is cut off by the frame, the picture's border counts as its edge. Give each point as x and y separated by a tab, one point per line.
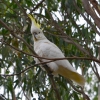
44	48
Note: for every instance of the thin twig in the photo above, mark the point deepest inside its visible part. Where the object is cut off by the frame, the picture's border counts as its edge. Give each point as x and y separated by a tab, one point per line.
22	9
26	69
79	91
24	93
37	6
96	71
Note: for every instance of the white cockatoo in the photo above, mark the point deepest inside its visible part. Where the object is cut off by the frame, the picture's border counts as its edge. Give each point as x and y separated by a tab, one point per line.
44	48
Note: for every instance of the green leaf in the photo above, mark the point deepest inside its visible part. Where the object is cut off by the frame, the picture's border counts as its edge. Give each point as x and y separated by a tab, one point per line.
76	96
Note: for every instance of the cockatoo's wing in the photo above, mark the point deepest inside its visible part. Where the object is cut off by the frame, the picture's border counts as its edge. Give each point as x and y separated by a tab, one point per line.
49	50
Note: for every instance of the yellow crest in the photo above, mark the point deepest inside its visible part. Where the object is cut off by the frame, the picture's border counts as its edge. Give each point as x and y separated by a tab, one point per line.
34	21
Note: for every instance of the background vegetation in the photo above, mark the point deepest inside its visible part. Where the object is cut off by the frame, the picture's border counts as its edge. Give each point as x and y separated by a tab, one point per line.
73	25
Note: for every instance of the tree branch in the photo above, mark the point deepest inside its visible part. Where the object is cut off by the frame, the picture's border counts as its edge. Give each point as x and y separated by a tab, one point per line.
55	87
2	97
90	11
88	21
53	59
95	5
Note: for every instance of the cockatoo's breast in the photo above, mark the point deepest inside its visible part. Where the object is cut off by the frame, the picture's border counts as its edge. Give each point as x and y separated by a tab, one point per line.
46	49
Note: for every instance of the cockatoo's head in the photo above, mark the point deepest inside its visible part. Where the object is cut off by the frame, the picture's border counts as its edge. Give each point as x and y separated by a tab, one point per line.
35	30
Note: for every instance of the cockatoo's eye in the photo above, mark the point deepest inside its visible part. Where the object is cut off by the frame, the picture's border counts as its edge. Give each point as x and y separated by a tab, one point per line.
35	33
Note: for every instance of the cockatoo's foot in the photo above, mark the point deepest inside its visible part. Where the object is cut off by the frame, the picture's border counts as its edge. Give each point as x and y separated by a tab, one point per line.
50	75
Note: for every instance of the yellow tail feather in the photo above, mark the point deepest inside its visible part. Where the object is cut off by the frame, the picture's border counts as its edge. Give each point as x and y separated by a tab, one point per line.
74	76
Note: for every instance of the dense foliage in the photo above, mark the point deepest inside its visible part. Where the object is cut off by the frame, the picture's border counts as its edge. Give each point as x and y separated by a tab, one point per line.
71	25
